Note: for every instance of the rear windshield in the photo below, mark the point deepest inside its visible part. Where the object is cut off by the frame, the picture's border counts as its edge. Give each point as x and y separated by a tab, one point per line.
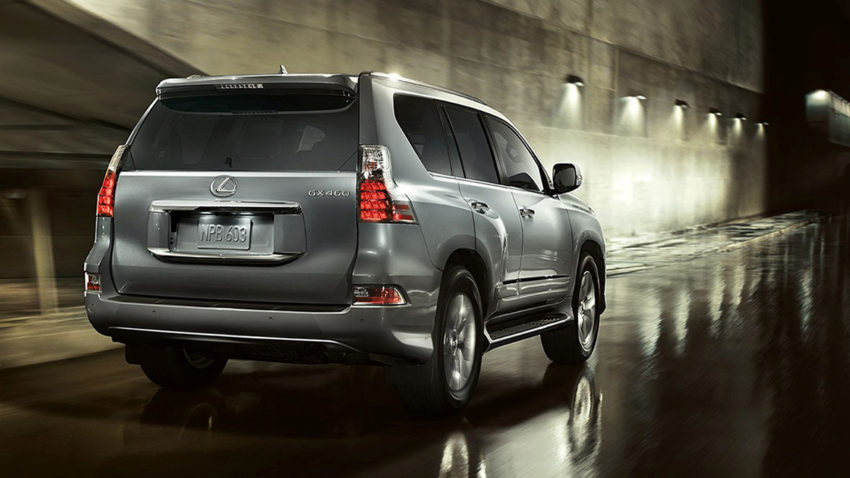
274	131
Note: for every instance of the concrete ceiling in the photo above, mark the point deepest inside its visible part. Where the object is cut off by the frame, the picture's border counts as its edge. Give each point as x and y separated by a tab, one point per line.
71	85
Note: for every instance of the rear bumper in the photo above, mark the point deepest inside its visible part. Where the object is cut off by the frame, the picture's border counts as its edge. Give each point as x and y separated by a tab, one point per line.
380	334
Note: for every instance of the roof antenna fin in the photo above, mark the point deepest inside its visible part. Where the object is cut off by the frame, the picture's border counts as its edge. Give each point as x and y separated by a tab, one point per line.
283	70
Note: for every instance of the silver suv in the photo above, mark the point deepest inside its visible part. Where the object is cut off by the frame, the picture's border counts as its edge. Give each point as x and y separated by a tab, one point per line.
338	218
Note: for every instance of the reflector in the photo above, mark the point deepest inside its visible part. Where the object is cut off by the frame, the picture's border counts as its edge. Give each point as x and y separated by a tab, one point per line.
378	295
92	282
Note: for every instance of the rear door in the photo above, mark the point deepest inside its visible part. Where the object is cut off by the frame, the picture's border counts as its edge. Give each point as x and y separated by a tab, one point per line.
498	230
547	236
241	197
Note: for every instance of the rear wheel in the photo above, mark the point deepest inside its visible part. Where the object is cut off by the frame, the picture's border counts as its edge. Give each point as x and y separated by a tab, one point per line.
445	383
174	367
575	342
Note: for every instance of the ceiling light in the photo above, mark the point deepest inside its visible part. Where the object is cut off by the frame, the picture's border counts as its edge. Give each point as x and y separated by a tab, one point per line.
575	80
682	104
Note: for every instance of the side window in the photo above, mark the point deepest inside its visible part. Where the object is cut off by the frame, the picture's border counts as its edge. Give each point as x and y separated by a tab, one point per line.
521	170
472	144
420	121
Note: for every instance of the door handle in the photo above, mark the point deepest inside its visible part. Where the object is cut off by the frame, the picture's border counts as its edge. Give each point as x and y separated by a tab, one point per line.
479	206
526	212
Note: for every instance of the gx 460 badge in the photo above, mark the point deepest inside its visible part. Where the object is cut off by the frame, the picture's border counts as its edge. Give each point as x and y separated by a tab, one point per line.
328	193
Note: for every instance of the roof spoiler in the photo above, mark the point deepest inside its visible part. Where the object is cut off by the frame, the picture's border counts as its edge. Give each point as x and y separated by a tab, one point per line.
219	84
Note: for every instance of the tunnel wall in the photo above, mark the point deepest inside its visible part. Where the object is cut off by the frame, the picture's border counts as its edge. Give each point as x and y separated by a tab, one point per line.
648	165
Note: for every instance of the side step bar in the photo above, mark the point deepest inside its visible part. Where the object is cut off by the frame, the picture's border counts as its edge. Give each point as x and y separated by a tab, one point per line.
503	333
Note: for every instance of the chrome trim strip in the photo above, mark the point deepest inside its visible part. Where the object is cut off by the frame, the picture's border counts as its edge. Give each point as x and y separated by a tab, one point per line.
232	337
486	183
241	174
536	293
543	278
128	300
167	205
164	254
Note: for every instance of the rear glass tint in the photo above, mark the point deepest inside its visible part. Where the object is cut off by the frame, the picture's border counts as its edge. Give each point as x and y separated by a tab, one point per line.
472	144
420	121
249	132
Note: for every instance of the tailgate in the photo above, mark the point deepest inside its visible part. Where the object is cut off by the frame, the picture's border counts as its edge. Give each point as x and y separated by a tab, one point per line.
276	239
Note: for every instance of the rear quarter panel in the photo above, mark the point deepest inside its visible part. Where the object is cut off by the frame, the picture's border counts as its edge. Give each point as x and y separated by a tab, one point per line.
444	217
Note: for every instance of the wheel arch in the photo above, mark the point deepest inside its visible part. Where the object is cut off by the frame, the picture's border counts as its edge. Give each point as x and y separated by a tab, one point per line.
472	261
594	249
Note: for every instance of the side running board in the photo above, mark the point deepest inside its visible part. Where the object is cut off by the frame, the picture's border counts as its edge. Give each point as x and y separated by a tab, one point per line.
503	333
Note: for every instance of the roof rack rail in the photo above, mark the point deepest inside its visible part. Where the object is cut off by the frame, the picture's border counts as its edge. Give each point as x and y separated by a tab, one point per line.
396	77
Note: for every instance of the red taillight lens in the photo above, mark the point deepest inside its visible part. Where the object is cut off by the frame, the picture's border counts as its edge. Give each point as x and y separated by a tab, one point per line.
378	295
375	202
92	282
106	196
380	201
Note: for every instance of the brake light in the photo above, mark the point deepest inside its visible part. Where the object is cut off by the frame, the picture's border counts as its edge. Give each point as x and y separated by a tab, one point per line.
380	200
106	195
378	295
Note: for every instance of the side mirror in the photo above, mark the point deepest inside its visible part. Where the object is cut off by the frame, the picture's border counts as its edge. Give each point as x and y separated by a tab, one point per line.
566	177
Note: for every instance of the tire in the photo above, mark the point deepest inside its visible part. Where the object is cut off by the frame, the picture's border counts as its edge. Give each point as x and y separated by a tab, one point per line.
176	368
575	342
445	383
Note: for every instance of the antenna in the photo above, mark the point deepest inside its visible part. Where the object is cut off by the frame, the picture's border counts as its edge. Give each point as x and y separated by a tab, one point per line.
283	70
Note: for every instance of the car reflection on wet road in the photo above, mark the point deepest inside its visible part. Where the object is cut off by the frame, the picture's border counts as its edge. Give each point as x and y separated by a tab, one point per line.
732	364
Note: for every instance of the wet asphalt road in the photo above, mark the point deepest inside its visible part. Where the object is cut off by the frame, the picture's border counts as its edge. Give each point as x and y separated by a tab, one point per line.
735	364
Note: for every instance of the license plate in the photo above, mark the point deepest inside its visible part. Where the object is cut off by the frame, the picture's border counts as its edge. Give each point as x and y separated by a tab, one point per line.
221	232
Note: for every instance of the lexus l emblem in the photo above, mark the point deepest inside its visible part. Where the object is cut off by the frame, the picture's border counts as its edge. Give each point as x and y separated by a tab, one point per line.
223	186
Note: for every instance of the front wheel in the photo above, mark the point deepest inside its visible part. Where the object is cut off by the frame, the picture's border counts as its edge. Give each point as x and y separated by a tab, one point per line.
445	383
178	368
575	342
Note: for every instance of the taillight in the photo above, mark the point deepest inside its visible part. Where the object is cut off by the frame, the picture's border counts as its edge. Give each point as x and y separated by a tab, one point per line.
92	282
106	195
378	295
380	200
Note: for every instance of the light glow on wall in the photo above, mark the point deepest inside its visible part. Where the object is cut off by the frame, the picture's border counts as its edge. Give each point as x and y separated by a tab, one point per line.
819	95
678	117
712	127
632	120
678	123
570	110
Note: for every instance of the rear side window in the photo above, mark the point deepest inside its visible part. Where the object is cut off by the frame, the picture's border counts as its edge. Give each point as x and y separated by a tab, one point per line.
281	130
472	145
420	121
521	170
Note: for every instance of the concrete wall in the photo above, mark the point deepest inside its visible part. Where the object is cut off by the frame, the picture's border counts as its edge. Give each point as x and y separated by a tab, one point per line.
647	166
71	87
